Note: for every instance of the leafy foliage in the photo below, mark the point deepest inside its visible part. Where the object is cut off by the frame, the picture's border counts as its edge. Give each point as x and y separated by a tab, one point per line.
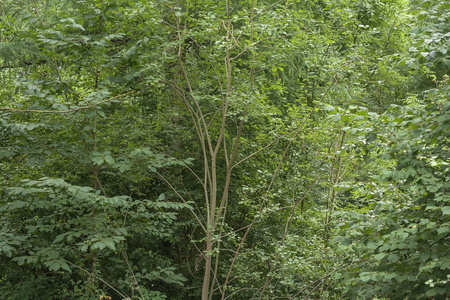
178	150
404	229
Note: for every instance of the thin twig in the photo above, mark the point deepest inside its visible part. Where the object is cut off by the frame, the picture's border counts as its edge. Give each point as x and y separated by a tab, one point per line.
323	279
132	273
270	186
182	199
99	278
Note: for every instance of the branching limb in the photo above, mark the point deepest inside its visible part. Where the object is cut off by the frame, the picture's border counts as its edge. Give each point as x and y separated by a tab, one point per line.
270	186
182	199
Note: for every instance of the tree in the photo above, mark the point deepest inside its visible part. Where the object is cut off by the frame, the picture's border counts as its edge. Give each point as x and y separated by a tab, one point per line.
402	233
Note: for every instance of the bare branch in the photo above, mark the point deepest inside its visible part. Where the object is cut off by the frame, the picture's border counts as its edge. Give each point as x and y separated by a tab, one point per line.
182	199
125	296
270	186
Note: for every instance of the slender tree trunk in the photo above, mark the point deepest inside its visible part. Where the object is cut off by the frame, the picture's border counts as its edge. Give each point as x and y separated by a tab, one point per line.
208	260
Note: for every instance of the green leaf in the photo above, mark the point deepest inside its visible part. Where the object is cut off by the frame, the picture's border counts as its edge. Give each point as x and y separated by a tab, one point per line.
109	159
99	245
98	160
65	266
443	229
393	257
329	108
431	292
380	256
422	16
7	250
54	266
336	117
110	243
371	245
371	137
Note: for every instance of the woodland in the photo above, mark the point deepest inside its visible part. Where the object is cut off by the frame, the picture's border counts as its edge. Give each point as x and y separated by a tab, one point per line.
245	149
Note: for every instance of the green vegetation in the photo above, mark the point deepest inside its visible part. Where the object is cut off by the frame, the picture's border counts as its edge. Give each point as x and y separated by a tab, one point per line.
224	149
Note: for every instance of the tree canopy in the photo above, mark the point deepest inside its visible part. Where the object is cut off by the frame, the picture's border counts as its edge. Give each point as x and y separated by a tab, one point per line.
224	149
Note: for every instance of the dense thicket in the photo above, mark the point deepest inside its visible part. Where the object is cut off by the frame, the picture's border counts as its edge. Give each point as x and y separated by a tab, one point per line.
224	150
